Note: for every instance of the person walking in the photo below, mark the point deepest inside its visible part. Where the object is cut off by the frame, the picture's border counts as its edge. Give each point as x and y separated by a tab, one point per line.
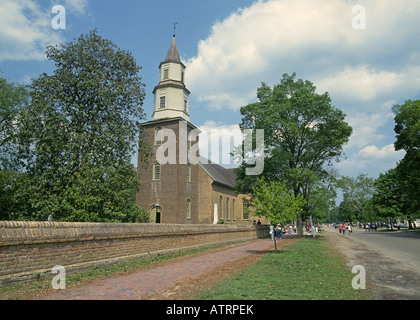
343	228
313	231
349	229
272	232
279	231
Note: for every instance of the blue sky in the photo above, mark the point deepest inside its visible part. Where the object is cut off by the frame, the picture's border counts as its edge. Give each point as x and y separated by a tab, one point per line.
368	60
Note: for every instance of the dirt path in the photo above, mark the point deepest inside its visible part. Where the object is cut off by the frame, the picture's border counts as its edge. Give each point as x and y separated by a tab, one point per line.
176	279
387	279
185	290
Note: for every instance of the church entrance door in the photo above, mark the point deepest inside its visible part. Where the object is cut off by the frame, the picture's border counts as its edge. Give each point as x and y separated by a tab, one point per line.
156	214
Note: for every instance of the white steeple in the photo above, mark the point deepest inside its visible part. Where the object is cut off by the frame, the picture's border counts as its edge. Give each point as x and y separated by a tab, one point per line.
171	95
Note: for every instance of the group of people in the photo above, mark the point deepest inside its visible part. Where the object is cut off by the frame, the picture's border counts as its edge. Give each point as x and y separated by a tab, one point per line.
370	227
277	231
343	228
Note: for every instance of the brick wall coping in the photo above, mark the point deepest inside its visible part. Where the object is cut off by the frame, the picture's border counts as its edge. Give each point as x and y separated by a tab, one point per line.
32	232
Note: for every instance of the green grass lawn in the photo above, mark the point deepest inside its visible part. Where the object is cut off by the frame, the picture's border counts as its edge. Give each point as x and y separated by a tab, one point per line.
306	270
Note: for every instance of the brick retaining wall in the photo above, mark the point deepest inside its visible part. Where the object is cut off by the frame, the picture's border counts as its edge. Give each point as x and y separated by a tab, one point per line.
31	249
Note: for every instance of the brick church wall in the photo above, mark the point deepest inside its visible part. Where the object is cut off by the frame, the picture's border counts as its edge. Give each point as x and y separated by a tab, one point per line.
32	249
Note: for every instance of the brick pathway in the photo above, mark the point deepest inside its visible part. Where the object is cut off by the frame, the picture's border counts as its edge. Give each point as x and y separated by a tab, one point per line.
145	283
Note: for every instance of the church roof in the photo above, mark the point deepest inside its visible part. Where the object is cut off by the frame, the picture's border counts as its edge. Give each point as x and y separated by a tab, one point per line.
173	54
219	174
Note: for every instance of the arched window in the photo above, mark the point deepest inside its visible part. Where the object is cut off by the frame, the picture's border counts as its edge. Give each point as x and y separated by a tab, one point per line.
156	171
188	173
220	208
245	210
227	209
158	136
233	210
188	209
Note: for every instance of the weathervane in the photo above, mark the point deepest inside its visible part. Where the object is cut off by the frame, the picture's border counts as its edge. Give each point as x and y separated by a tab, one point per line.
175	23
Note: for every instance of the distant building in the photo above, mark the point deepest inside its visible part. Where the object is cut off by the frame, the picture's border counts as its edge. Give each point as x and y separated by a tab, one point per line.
183	192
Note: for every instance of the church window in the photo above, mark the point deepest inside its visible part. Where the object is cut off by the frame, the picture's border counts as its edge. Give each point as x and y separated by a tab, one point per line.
188	209
182	76
162	102
158	137
185	105
227	209
233	210
220	208
189	173
165	74
245	210
156	171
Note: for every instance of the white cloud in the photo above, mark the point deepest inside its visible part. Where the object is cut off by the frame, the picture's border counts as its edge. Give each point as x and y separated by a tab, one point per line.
25	30
366	128
217	141
75	6
25	27
371	158
315	39
387	152
365	71
364	83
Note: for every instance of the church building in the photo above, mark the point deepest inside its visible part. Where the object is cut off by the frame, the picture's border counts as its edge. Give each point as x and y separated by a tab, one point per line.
182	191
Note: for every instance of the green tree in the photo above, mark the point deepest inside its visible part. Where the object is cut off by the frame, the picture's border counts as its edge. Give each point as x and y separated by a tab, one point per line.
368	211
78	135
346	212
407	128
356	191
302	131
13	98
387	200
276	202
319	193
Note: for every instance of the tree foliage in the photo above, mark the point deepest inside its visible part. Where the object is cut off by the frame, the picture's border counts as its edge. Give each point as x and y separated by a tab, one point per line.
357	191
407	129
79	133
13	98
387	200
276	202
302	131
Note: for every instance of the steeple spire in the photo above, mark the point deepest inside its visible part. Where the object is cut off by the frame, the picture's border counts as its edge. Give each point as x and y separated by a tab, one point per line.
173	54
171	94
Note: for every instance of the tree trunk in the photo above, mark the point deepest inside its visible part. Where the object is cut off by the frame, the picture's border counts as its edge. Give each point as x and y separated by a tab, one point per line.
300	225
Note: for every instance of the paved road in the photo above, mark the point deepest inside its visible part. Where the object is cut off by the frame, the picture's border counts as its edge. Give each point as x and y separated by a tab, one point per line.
391	261
398	245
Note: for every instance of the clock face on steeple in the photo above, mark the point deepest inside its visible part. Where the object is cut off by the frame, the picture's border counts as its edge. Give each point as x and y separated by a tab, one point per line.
171	94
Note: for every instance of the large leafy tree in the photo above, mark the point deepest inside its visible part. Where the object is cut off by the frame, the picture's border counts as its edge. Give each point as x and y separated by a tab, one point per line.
356	193
388	200
407	131
79	133
13	98
302	131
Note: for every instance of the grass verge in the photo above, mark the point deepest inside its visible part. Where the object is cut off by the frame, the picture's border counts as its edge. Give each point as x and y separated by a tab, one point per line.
306	270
